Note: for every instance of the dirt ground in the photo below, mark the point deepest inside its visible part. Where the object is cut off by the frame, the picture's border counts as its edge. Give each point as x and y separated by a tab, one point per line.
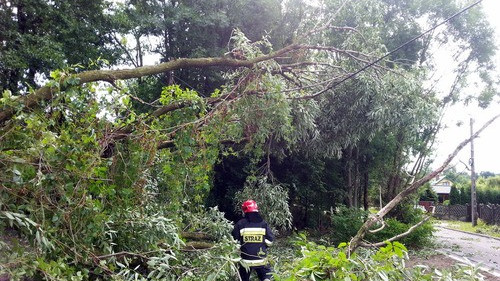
440	261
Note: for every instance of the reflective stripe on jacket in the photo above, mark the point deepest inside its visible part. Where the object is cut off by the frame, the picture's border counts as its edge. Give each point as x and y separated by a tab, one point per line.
254	238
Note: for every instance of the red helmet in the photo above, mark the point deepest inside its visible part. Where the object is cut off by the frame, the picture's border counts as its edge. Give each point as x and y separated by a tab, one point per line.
249	206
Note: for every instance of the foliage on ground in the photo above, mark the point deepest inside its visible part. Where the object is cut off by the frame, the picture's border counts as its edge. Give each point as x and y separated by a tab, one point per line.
314	261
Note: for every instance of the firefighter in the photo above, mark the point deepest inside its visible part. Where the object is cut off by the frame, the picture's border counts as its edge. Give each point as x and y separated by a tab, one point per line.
255	237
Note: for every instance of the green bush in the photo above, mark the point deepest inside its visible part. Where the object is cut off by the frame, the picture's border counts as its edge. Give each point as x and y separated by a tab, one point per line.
405	217
454	196
485	194
346	222
428	194
417	238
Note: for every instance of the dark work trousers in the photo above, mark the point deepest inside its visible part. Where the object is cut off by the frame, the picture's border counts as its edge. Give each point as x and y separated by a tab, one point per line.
264	272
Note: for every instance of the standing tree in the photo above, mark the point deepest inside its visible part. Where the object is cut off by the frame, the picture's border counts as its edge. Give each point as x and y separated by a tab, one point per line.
38	36
454	195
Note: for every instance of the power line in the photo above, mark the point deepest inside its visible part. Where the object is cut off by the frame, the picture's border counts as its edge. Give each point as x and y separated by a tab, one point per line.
391	52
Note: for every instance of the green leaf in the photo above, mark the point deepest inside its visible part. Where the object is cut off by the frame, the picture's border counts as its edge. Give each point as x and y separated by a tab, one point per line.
6	94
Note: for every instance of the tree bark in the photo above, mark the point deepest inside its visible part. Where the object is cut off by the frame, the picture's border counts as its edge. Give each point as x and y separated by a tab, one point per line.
357	179
394	181
348	171
365	185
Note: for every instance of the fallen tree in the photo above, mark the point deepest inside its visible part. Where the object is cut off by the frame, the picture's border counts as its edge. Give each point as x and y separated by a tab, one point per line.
357	240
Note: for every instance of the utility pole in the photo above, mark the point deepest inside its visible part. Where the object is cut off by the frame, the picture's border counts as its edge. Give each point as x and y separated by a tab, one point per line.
473	201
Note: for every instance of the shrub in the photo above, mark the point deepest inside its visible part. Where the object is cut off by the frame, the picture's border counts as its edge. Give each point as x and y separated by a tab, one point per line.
405	217
318	262
428	194
346	222
454	196
417	238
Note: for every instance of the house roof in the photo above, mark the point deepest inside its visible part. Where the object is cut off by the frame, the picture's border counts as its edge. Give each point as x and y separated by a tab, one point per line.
438	179
441	189
441	181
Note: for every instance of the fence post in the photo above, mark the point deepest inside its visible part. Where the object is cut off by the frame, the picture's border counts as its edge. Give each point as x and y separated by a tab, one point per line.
468	218
479	211
495	218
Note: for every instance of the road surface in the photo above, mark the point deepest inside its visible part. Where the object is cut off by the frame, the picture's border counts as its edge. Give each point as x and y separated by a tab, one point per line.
477	249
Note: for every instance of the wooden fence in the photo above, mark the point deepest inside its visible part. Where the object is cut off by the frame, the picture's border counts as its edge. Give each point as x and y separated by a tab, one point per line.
490	213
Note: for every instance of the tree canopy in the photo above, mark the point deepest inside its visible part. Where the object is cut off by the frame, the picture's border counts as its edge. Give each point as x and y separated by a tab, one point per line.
110	164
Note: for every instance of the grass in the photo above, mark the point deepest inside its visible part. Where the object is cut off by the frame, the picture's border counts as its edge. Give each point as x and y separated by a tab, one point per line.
481	227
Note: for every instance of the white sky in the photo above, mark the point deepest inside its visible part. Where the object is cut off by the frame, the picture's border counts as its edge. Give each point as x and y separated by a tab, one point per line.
487	146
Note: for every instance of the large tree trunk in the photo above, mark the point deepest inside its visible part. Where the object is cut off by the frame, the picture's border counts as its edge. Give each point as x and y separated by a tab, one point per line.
394	181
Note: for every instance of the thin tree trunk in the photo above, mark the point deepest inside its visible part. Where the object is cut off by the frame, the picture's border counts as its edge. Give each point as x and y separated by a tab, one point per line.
356	183
365	186
348	168
139	50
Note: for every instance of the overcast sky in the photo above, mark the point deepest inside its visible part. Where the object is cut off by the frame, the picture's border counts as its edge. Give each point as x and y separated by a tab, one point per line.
487	146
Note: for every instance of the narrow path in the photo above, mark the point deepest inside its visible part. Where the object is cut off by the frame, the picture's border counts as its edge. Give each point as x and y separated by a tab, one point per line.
477	249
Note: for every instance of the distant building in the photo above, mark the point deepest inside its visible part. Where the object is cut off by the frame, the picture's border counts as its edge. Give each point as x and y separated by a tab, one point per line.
442	188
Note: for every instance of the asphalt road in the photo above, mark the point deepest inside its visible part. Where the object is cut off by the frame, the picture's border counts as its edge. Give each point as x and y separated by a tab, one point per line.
477	249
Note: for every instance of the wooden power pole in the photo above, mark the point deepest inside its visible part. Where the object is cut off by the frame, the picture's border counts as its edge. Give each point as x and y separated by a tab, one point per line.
473	201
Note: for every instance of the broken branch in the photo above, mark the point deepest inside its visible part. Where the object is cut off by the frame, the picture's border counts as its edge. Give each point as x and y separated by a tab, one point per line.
46	92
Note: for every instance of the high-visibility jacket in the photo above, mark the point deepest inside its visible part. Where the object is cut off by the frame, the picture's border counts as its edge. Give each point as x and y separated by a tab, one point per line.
254	237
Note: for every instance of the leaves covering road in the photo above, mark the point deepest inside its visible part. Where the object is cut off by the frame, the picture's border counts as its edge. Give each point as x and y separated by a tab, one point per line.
478	249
